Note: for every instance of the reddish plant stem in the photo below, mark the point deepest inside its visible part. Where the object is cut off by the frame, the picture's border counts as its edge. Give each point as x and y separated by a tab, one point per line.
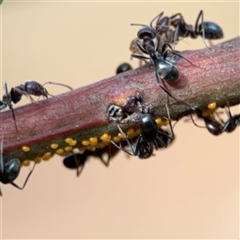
49	121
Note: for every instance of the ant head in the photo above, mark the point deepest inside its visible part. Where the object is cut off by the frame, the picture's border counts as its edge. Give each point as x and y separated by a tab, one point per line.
146	33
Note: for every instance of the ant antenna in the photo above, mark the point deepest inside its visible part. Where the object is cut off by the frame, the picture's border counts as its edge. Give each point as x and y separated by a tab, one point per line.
60	84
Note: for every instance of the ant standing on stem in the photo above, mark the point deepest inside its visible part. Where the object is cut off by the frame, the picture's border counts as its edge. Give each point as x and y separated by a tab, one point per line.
30	87
175	26
150	134
164	69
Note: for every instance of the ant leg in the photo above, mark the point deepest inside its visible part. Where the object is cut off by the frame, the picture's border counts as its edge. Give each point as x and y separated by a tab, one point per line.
169	94
60	84
203	30
176	34
80	171
15	185
174	53
106	163
170	124
11	106
77	164
128	142
140	57
56	97
157	17
140	47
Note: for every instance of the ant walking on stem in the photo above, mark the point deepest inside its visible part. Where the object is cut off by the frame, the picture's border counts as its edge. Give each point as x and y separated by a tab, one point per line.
175	26
150	134
30	87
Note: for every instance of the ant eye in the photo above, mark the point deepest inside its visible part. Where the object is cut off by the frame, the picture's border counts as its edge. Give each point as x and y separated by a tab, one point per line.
146	32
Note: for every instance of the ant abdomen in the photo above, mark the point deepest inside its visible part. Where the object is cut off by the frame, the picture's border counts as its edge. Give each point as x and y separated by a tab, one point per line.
166	71
11	171
211	30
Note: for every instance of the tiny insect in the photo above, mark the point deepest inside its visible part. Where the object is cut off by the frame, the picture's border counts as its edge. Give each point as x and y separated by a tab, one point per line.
10	170
78	160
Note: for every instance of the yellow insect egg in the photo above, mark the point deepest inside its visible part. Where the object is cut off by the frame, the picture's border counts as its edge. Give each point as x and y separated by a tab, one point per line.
68	149
37	160
105	136
91	148
205	113
68	140
85	142
130	132
158	121
165	121
122	135
25	148
73	143
116	139
102	145
46	156
137	132
212	106
93	141
26	163
82	149
54	145
60	151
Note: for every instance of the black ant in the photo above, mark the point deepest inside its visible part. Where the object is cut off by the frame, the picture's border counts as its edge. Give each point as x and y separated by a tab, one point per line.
208	30
123	68
10	170
216	128
78	160
163	68
150	134
30	87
